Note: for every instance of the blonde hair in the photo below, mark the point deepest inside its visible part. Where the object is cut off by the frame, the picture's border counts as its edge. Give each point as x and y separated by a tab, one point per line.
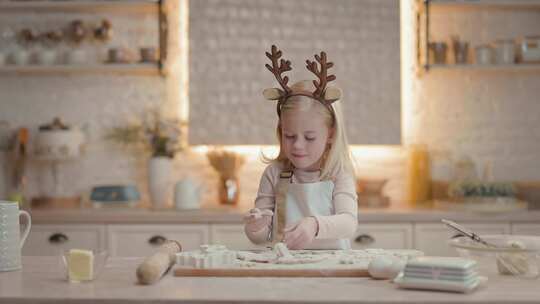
338	156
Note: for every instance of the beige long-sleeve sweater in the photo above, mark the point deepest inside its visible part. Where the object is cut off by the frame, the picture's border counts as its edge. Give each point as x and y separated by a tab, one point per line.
342	224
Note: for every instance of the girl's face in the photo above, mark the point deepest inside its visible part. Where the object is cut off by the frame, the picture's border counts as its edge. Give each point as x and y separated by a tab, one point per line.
304	137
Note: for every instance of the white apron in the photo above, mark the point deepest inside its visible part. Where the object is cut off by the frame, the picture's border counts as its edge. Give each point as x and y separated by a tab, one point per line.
303	200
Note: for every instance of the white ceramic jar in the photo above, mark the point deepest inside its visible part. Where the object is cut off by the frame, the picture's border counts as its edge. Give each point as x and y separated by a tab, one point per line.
484	54
46	57
505	51
20	57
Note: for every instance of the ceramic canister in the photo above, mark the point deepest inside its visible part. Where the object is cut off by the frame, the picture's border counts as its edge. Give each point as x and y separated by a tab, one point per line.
11	241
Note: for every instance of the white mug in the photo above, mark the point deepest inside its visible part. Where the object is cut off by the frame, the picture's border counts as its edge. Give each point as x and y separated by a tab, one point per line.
10	240
187	194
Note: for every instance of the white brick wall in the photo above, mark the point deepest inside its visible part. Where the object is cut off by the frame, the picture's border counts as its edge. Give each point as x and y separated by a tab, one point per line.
227	44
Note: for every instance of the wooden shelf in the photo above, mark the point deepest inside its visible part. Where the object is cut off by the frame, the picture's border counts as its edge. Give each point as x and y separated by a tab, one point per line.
87	6
497	4
516	66
131	68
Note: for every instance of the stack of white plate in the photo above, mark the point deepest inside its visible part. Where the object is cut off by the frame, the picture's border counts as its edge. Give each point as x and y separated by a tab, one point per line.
440	273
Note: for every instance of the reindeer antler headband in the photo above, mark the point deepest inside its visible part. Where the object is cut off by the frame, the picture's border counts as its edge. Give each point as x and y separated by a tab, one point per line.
323	94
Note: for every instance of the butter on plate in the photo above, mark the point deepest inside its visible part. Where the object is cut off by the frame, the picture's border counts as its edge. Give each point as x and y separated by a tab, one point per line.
80	265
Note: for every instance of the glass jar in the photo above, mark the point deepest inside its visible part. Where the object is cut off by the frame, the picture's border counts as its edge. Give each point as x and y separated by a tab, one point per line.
505	51
484	54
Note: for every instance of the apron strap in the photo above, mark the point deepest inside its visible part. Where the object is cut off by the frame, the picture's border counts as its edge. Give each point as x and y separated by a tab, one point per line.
280	208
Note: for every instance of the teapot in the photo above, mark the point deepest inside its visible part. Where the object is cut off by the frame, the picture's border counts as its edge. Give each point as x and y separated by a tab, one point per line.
187	194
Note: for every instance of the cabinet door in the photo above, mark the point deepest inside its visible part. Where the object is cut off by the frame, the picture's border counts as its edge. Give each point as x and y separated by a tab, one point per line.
46	240
432	238
385	236
526	229
143	240
232	236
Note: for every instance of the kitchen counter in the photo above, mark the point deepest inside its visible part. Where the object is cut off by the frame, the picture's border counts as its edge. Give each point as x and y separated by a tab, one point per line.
40	281
233	215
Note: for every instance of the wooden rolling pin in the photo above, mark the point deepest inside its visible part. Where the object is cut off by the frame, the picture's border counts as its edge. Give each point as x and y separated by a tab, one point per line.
156	265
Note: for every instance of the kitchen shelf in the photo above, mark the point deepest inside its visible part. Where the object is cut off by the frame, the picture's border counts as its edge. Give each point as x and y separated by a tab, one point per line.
484	3
131	69
92	7
119	6
424	8
516	66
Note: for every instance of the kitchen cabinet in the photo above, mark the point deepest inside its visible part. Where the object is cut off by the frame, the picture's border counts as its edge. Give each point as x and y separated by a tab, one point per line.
140	233
440	11
142	240
50	239
385	236
431	237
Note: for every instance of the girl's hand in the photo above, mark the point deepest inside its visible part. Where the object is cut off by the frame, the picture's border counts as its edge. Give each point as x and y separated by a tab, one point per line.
302	234
256	219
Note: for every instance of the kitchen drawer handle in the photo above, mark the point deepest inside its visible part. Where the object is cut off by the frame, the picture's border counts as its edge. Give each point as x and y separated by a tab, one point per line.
364	239
157	240
457	235
58	238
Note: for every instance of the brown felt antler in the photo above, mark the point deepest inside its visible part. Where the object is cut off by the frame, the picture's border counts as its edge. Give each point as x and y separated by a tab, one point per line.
325	95
320	86
278	68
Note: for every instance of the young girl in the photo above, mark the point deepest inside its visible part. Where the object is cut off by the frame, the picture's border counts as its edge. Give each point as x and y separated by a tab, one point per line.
307	196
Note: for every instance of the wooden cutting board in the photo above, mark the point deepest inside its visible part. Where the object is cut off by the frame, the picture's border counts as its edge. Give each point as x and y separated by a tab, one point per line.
250	272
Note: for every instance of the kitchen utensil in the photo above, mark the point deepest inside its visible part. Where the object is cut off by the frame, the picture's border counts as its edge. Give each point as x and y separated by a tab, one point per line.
461	50
484	54
517	255
438	52
115	196
530	49
227	164
155	266
512	264
11	241
370	193
505	51
76	56
187	194
98	261
148	54
465	232
46	57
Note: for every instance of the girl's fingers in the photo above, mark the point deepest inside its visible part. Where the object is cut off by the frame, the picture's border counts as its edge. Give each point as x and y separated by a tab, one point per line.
267	212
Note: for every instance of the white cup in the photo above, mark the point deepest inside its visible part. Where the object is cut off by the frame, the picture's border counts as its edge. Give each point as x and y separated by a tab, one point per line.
46	57
20	57
76	57
484	54
187	194
505	51
10	240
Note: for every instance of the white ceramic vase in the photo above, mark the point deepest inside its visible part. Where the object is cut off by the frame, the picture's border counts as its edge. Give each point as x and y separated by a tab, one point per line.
159	182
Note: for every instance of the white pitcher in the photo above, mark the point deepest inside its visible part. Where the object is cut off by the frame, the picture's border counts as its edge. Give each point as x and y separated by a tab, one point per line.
10	240
187	194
